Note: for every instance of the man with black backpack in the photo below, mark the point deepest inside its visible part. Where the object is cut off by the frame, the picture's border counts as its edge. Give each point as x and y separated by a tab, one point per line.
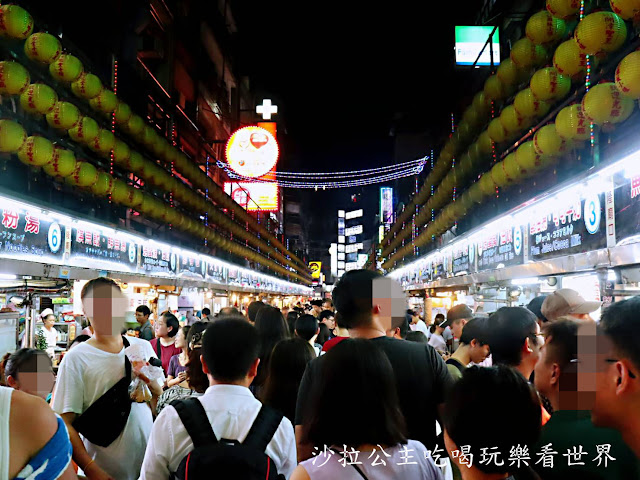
227	432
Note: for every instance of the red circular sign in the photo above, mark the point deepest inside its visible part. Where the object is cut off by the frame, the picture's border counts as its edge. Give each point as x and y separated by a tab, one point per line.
252	152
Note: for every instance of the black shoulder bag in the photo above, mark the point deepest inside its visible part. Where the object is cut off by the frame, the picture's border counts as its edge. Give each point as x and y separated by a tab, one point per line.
106	418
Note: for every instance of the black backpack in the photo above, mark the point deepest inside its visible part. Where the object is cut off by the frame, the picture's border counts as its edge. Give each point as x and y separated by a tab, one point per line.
226	459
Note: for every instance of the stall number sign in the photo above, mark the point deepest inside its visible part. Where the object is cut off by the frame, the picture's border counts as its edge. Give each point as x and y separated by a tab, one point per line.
463	258
575	226
500	249
25	235
92	244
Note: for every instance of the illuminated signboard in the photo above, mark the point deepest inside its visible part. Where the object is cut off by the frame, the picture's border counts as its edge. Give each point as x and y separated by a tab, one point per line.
353	230
252	152
501	247
315	268
354	248
386	205
354	214
254	196
471	40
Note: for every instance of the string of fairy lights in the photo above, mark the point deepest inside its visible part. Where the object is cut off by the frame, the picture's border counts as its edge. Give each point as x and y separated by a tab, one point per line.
332	180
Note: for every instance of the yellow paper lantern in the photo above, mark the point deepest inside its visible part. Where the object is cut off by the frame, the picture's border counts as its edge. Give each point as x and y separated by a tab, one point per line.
84	175
542	27
106	101
487	185
485	143
38	98
572	124
604	103
528	106
12	136
498	175
103	185
122	113
525	53
627	9
481	104
509	73
15	22
63	116
546	141
66	68
528	159
103	143
563	8
600	32
494	89
511	120
63	163
135	197
135	163
36	151
569	60
42	47
85	131
496	131
549	85
14	78
148	136
135	125
119	191
628	75
87	86
121	152
512	169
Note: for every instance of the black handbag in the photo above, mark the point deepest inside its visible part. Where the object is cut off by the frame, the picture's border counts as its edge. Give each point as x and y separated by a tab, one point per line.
106	418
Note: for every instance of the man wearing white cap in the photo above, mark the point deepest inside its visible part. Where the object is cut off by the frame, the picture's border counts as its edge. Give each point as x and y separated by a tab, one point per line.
568	303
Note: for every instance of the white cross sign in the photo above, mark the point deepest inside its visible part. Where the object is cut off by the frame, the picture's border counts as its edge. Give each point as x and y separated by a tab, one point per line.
266	109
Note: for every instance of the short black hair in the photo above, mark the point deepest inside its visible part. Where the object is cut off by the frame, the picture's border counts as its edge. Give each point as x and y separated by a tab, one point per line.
535	306
326	314
476	328
25	360
401	323
306	326
417	336
316	303
621	324
144	310
96	282
173	322
561	342
492	407
368	391
353	297
509	327
253	309
206	311
229	347
292	316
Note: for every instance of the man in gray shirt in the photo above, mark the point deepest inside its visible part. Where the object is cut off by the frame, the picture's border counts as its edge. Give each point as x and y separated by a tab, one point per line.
142	317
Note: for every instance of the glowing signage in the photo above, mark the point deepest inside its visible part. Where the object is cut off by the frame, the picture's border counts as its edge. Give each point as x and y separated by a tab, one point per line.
471	40
315	268
252	152
357	230
354	214
386	205
354	248
254	196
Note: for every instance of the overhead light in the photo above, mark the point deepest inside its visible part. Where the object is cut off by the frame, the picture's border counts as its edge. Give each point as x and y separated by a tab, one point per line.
8	276
611	276
525	281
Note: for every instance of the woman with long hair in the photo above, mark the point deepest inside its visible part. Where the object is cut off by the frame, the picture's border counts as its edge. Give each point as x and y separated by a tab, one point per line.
272	328
287	365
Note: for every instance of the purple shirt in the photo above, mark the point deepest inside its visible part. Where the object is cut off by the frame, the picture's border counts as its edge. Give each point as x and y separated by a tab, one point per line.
174	366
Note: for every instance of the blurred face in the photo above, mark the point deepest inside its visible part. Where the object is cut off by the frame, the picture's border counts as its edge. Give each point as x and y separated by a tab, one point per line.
327	306
607	377
181	341
390	300
544	372
105	306
457	326
49	321
478	352
316	309
39	383
141	318
330	322
161	328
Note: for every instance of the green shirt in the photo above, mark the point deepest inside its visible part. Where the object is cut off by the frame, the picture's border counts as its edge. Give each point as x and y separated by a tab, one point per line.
455	368
573	428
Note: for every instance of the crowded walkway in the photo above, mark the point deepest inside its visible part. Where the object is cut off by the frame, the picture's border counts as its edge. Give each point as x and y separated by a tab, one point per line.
260	396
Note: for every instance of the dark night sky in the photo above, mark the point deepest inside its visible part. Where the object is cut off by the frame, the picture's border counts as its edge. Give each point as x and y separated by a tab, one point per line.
343	72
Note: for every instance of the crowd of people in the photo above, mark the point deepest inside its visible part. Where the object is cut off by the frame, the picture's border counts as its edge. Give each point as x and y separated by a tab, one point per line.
356	388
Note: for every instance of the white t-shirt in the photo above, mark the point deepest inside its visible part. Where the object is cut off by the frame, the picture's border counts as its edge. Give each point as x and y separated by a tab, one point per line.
437	342
420	326
85	374
51	336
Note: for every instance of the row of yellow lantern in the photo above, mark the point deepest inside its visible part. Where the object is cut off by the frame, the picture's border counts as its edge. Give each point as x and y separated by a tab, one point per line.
45	48
547	85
